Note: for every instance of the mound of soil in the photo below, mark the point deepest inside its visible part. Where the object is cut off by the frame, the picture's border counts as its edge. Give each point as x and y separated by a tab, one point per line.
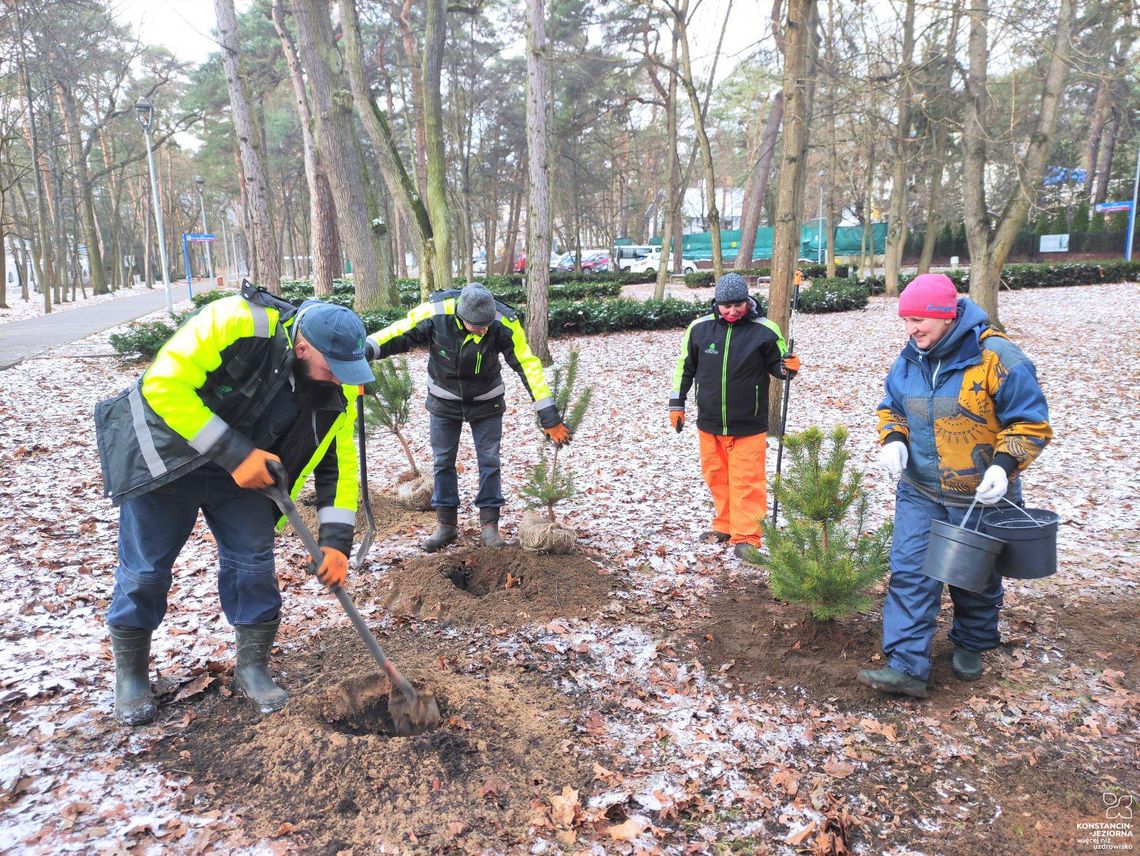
327	774
506	587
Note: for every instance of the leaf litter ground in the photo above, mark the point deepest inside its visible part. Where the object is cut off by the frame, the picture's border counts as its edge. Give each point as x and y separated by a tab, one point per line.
643	694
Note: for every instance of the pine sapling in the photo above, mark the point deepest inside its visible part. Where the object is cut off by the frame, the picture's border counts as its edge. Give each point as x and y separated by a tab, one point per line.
388	402
547	484
824	557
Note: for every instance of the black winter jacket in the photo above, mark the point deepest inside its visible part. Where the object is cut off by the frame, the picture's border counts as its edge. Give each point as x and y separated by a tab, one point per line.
730	364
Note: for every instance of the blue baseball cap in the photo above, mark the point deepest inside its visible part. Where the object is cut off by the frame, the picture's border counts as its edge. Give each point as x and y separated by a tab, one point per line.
338	334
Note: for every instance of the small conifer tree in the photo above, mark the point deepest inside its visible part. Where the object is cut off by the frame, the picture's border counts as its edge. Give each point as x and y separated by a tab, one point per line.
388	401
823	558
547	484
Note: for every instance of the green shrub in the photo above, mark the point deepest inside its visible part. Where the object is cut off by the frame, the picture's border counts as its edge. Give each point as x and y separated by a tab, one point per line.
833	295
203	297
704	278
145	338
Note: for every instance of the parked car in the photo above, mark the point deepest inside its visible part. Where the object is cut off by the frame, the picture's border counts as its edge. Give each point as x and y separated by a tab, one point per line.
479	265
652	262
593	261
624	256
520	263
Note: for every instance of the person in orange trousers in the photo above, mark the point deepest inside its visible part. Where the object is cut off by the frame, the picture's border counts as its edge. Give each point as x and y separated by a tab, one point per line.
729	354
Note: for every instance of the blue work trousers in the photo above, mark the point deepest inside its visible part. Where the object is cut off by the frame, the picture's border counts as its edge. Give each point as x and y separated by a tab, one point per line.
913	599
487	434
154	527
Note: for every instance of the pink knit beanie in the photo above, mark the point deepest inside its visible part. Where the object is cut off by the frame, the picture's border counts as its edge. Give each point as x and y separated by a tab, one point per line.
929	295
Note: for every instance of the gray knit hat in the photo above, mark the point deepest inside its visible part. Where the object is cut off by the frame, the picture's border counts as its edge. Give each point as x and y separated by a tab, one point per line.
476	305
731	288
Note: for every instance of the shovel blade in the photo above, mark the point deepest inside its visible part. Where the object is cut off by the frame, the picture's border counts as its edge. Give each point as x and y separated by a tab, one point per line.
413	715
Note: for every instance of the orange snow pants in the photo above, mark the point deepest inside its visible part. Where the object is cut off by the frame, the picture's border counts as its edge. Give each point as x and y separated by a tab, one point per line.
733	468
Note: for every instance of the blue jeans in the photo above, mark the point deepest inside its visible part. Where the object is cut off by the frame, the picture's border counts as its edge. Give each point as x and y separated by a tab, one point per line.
487	434
913	599
154	527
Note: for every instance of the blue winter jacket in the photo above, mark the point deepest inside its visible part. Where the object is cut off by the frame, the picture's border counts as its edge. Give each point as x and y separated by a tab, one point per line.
970	401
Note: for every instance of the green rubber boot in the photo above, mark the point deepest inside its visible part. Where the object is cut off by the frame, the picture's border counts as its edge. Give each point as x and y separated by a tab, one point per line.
489	528
446	530
251	675
967	664
134	702
891	680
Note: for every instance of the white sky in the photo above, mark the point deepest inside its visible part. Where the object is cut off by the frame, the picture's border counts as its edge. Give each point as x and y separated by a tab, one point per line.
184	27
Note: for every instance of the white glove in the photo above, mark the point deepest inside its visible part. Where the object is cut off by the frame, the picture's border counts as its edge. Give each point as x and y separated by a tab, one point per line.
893	457
993	487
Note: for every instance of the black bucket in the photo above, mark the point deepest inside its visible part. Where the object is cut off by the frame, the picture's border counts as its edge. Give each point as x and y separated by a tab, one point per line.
1030	536
961	557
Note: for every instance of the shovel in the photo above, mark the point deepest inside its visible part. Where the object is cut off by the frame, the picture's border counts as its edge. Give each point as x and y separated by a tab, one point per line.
411	711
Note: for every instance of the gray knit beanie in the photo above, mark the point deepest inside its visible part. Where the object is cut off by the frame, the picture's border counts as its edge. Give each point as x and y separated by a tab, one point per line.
731	288
476	305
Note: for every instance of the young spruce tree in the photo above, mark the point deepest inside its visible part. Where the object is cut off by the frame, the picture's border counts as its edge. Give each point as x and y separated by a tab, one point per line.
388	401
547	484
823	558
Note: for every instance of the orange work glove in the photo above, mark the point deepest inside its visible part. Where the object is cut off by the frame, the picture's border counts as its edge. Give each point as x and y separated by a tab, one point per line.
677	420
791	364
334	568
252	474
559	435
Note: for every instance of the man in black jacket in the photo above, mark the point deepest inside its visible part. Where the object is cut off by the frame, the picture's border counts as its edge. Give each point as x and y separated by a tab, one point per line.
730	353
465	332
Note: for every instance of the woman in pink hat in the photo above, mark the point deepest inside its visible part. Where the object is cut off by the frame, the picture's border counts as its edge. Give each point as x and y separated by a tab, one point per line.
962	418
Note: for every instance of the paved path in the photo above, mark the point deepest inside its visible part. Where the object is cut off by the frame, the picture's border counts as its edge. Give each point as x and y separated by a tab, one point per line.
22	339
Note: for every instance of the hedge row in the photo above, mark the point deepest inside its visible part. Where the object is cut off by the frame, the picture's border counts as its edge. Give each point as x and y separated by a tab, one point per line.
511	294
703	278
1018	276
833	295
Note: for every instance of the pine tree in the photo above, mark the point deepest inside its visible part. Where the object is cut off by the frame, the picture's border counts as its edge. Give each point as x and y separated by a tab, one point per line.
546	483
388	401
817	560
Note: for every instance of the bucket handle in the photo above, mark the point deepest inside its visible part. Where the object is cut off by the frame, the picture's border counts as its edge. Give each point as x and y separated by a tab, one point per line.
969	511
1032	519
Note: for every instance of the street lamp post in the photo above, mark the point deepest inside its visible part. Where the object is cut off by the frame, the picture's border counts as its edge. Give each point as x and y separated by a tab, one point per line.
145	114
819	253
226	245
1132	212
200	182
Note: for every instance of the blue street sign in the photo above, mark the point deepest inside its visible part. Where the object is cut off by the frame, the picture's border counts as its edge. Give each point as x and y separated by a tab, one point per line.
200	237
1112	207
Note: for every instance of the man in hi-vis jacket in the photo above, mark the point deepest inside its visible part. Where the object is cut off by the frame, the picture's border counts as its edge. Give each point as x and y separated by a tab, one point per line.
466	331
246	380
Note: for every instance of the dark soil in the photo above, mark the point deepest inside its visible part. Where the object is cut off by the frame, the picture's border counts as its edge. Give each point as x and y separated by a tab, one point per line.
508	587
327	774
391	518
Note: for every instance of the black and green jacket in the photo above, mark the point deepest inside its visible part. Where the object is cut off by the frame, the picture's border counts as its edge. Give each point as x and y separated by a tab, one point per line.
730	364
465	379
220	387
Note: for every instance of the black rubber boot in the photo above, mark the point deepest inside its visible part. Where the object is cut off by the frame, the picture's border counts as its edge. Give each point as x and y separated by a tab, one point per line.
251	675
446	530
967	664
891	680
134	702
489	528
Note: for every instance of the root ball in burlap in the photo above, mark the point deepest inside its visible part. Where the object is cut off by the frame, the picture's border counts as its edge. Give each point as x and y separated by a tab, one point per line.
539	533
415	494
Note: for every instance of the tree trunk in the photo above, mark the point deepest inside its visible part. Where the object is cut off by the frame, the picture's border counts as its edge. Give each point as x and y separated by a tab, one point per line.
989	248
324	240
396	178
897	218
512	233
335	141
411	57
266	258
538	205
1096	130
702	139
435	39
800	53
758	186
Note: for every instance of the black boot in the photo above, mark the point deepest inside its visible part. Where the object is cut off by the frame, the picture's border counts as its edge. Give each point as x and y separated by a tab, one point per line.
489	526
251	675
134	702
446	530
